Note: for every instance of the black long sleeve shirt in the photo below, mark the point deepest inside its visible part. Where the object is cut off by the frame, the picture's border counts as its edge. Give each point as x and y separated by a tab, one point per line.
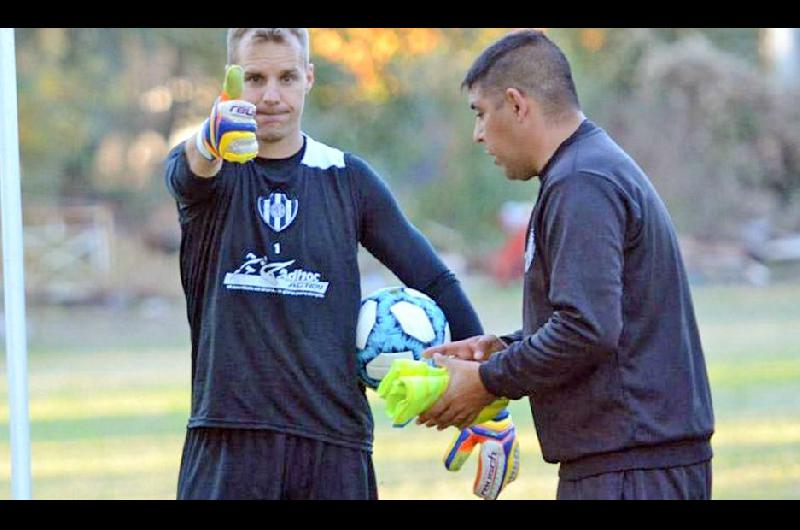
269	268
609	352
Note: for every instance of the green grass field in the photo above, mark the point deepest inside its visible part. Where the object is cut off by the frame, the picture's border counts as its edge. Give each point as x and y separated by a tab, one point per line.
109	398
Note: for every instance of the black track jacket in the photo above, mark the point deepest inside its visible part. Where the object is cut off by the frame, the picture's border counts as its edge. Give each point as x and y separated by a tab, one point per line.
609	352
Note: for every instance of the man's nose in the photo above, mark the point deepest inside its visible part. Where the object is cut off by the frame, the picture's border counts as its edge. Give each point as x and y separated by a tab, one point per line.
271	93
477	134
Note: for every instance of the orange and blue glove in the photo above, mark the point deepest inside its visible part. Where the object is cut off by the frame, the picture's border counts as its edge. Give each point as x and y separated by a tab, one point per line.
498	463
229	132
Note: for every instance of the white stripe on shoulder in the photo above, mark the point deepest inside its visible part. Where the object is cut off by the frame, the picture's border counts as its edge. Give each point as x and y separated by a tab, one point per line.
320	155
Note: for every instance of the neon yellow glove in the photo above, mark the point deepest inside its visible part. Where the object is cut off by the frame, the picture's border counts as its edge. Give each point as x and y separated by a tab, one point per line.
411	387
498	463
230	131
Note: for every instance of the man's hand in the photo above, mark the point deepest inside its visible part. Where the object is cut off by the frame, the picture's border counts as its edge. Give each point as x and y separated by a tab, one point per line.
229	133
477	348
498	462
464	398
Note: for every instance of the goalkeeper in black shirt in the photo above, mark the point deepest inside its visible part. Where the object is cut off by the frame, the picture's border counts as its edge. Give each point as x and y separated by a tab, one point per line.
271	221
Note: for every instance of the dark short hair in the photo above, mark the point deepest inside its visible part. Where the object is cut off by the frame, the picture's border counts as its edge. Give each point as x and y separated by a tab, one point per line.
530	62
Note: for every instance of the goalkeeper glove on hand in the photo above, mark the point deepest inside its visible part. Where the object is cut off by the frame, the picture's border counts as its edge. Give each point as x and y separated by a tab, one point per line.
498	464
230	131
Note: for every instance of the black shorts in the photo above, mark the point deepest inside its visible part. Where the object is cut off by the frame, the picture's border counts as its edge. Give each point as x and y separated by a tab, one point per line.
691	482
263	464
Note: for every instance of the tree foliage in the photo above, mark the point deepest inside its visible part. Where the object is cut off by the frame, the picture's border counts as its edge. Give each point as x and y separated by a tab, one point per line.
99	108
699	111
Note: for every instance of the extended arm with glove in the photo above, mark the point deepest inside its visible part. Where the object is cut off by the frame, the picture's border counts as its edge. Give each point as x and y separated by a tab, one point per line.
229	133
498	459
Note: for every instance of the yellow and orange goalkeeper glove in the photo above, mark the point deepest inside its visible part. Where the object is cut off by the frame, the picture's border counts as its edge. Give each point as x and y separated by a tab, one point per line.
229	132
498	461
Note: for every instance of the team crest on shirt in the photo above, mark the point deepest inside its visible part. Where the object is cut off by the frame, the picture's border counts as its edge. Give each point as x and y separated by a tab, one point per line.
530	250
278	210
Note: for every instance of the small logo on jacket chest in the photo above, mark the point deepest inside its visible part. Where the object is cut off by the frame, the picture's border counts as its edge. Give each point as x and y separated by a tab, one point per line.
530	250
278	210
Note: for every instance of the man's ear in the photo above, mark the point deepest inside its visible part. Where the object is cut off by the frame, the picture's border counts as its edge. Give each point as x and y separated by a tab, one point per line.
520	105
309	77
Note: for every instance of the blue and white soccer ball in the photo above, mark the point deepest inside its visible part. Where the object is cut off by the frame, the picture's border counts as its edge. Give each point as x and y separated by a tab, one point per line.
396	323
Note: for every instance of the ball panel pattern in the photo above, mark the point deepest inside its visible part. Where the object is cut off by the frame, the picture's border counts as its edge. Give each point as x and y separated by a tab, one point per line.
396	322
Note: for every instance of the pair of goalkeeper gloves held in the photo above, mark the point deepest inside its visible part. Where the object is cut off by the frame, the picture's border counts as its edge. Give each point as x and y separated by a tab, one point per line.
411	387
229	133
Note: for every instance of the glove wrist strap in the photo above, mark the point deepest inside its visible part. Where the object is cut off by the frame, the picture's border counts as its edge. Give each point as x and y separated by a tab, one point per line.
200	143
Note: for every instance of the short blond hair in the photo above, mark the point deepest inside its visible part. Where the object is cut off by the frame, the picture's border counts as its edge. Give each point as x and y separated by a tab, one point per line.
237	35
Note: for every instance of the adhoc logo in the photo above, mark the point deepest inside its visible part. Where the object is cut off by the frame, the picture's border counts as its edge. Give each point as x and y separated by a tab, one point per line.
278	210
258	274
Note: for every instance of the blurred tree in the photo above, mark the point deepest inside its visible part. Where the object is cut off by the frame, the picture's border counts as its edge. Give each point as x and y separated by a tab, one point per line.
415	125
99	108
605	60
697	111
738	130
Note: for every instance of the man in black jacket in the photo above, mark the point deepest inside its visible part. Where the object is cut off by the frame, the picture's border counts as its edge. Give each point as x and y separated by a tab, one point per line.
609	352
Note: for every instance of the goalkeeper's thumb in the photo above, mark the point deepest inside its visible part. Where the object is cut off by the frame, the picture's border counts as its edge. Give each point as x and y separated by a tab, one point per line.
233	86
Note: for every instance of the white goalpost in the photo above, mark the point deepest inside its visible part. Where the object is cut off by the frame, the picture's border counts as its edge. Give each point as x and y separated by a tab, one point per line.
13	278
